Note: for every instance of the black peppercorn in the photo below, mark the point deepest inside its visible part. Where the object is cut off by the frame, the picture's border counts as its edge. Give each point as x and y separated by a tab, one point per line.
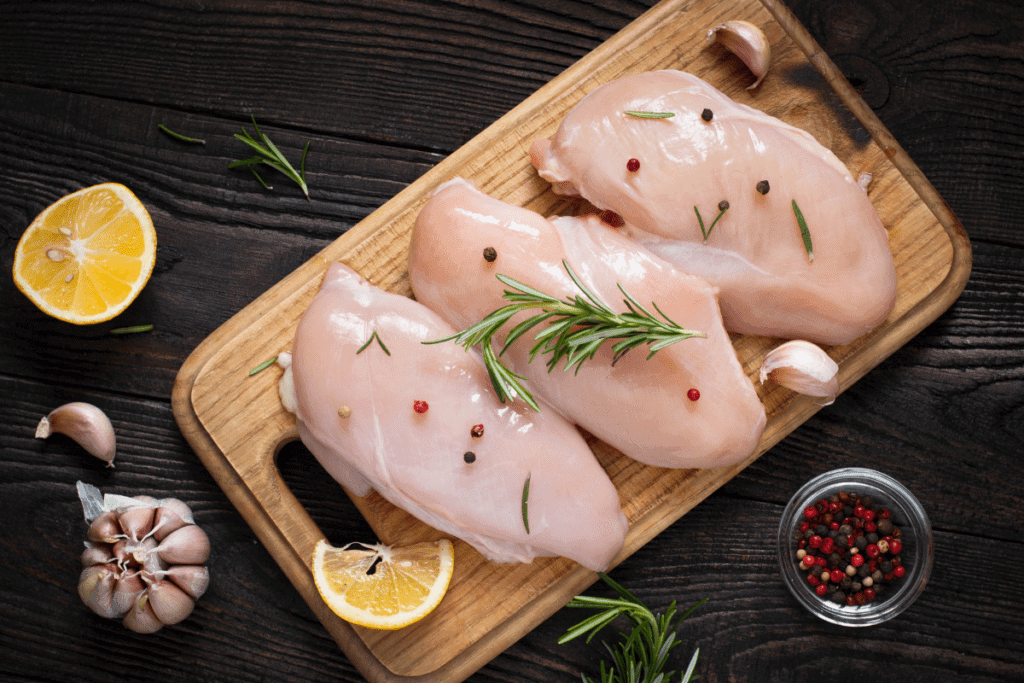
833	560
839	597
872	537
860	542
469	457
884	527
867	501
762	188
845	529
722	206
821	530
490	254
886	567
707	114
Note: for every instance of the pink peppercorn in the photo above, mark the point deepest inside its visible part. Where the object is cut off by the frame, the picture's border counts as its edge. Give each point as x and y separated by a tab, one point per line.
633	165
872	551
899	572
810	512
836	575
895	547
821	590
815	541
857	560
420	406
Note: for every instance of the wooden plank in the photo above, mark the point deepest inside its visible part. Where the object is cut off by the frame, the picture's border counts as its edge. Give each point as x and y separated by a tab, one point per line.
236	424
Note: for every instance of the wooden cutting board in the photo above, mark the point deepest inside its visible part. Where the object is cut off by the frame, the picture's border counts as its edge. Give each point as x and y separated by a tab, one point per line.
236	424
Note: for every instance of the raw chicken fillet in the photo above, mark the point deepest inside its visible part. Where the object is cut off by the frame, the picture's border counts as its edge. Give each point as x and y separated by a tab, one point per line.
421	461
755	255
638	406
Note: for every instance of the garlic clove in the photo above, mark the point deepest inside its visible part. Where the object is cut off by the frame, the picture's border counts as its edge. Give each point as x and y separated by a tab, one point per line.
187	545
803	367
127	589
105	529
170	604
141	618
137	522
171	516
190	578
86	424
748	43
96	588
96	554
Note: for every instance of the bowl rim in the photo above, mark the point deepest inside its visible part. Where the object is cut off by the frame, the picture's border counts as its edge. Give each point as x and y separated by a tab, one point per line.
914	519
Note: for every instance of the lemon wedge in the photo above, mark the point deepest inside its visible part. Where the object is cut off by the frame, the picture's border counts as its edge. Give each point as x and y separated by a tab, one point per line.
88	255
383	587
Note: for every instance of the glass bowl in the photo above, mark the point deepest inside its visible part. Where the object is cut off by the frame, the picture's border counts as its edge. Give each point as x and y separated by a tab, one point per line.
907	514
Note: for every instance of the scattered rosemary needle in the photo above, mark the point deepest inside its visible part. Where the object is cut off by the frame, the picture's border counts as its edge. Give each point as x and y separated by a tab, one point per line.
526	498
370	341
263	366
723	206
179	136
642	654
651	114
579	325
132	330
805	234
268	153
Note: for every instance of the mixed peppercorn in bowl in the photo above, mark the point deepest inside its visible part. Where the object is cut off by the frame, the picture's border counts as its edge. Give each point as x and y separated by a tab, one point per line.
855	547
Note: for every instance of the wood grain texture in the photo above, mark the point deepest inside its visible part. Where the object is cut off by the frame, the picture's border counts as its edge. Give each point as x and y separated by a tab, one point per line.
944	414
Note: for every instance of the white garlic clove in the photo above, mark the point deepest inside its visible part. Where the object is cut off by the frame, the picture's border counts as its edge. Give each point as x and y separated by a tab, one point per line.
141	618
803	367
96	554
190	578
171	516
127	589
105	529
170	604
748	43
152	562
187	545
96	588
86	424
137	522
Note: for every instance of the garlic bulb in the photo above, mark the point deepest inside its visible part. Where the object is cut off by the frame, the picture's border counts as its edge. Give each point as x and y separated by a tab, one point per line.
86	424
803	367
143	560
748	43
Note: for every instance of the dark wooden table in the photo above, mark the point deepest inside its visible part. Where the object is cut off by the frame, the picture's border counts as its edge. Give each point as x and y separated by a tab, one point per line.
385	90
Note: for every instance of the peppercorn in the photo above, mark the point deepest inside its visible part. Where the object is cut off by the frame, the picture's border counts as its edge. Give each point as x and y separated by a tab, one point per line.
821	529
694	395
898	572
420	406
895	547
469	457
707	114
810	512
763	187
633	165
872	538
833	560
839	597
490	254
884	526
722	206
821	590
477	431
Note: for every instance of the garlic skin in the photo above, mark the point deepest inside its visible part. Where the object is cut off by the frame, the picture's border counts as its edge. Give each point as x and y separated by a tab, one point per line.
748	43
803	367
143	562
86	424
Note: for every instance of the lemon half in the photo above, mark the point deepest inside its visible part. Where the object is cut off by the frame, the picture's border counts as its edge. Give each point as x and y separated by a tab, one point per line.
88	255
383	587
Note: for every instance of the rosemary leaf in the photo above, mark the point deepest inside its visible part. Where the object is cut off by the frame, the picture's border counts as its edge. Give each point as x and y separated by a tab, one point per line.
132	330
370	341
526	500
263	366
805	234
179	136
651	114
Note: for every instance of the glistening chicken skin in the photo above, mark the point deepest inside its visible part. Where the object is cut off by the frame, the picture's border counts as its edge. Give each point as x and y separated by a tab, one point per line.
639	406
756	255
460	459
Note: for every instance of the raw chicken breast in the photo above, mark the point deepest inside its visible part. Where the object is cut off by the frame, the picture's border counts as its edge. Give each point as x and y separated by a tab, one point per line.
638	406
420	461
755	254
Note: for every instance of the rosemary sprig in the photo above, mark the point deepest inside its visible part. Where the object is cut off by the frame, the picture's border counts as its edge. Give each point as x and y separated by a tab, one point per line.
263	366
805	234
578	326
268	153
651	114
370	340
179	136
641	655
